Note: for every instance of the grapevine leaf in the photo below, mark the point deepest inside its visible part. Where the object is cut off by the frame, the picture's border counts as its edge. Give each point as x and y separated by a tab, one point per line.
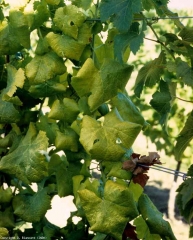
187	210
128	111
121	13
4	232
69	19
186	192
85	4
41	14
99	236
184	138
147	4
64	173
12	38
142	230
15	79
53	2
42	68
8	113
149	74
110	214
47	126
185	72
110	139
154	219
161	101
187	35
26	162
47	89
7	218
65	46
5	195
66	110
68	140
31	208
114	169
103	84
133	38
190	171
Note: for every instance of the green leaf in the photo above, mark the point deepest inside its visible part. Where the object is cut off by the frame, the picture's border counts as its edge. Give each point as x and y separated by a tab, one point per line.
110	214
15	79
184	137
69	19
50	87
31	208
108	140
187	210
27	161
7	218
142	230
13	38
154	219
46	125
64	174
184	71
85	4
66	110
147	4
45	67
5	195
41	14
186	192
65	46
4	232
133	38
103	84
8	113
190	171
187	35
161	101
114	169
121	13
149	74
128	111
68	140
53	2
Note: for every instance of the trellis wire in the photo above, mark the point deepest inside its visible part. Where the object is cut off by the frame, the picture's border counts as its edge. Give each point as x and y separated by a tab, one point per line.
148	18
166	170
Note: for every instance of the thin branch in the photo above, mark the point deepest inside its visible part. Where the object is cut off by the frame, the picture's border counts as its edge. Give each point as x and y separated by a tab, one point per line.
158	40
184	100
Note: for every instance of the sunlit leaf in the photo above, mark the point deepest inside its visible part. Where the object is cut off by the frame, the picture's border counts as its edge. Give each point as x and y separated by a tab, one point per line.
108	140
42	68
102	213
103	84
66	110
65	46
69	19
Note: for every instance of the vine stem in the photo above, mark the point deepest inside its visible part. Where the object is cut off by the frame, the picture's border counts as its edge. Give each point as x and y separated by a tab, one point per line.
93	36
184	100
158	40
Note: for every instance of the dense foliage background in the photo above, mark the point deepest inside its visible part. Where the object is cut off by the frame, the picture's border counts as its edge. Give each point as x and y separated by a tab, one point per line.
64	67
